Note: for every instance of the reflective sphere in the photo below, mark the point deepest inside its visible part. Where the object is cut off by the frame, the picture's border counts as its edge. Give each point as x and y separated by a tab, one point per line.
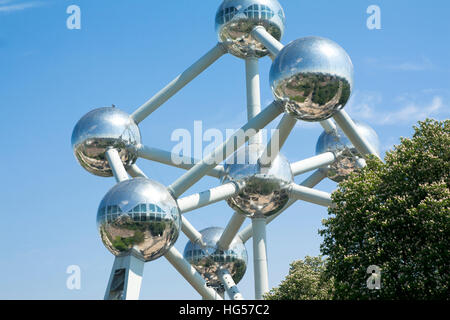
208	259
313	76
346	153
235	19
99	130
140	215
265	188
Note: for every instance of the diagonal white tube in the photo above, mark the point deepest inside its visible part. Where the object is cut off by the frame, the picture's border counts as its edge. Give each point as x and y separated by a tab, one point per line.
277	141
135	172
116	165
273	45
231	230
328	125
178	83
348	126
312	163
225	150
199	200
166	157
311	195
188	229
191	275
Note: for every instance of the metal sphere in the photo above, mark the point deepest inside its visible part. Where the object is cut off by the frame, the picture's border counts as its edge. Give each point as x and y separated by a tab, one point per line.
313	76
139	215
346	154
265	189
99	130
208	259
235	19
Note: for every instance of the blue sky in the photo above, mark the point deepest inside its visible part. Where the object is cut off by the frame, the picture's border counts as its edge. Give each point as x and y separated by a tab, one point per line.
124	53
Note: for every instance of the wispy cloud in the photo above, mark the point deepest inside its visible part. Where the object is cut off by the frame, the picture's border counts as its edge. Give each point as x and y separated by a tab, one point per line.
410	108
419	64
413	112
8	6
422	65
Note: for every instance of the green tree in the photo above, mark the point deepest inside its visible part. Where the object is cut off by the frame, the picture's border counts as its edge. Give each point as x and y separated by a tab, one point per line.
305	281
395	215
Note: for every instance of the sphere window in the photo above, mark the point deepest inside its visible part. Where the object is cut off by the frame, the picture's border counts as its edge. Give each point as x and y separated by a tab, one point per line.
281	15
226	15
256	11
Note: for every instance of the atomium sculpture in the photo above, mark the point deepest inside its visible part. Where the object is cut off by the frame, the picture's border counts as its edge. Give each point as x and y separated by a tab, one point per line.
139	219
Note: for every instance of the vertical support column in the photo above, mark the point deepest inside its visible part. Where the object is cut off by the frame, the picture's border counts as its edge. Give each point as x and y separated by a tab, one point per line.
260	257
125	279
253	93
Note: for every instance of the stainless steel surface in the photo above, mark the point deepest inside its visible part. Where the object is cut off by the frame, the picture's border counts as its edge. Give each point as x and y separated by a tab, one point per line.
310	182
208	259
235	20
346	154
138	214
313	76
265	188
100	130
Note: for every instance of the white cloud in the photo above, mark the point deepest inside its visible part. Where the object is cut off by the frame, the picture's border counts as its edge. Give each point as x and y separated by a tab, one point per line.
420	64
368	106
8	5
362	105
413	112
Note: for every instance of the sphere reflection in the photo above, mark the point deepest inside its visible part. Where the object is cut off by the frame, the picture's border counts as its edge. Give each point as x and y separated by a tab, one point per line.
99	130
265	188
235	19
208	259
313	76
140	215
346	154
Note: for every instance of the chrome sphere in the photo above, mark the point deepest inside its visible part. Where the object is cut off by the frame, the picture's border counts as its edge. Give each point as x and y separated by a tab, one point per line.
99	130
208	259
346	154
235	19
264	191
139	215
313	76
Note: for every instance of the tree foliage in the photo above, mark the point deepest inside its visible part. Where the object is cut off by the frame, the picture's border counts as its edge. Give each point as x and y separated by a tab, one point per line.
305	281
394	215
